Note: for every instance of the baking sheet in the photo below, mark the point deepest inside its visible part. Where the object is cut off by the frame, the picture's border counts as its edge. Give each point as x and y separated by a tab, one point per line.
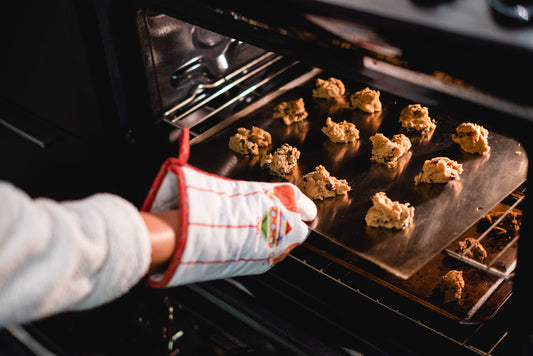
442	212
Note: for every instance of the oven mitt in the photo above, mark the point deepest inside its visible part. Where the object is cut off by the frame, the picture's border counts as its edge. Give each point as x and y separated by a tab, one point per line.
228	227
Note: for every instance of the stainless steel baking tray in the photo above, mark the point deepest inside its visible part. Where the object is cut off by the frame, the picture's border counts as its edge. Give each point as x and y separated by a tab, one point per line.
442	211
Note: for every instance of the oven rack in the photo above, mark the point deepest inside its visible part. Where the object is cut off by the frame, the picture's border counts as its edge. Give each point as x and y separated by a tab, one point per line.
240	74
243	84
461	340
343	272
517	197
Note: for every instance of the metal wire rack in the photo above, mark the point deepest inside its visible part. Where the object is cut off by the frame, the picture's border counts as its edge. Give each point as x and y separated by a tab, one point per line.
338	271
518	197
242	83
464	341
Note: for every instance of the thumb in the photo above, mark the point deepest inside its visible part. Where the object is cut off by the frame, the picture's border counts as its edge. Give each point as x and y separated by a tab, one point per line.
306	206
294	200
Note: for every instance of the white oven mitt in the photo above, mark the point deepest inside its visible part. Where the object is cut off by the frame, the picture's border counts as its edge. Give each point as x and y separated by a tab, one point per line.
228	227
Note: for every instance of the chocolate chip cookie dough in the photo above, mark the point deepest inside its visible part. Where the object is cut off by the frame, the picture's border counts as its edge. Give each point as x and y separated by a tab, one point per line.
282	161
291	111
366	100
472	138
439	170
319	184
329	89
249	141
387	151
473	249
389	214
452	285
340	132
415	117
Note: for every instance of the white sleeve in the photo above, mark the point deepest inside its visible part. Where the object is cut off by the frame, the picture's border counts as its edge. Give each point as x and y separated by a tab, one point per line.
72	255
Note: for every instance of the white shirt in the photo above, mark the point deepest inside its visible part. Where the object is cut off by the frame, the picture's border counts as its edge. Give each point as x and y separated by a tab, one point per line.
64	256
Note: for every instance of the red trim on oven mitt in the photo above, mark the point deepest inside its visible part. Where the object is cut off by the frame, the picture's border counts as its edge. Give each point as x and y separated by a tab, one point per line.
228	227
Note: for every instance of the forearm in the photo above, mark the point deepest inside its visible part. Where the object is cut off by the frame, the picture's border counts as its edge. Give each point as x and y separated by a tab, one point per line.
67	256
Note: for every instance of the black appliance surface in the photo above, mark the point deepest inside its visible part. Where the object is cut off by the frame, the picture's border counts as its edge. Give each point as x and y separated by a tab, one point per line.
92	82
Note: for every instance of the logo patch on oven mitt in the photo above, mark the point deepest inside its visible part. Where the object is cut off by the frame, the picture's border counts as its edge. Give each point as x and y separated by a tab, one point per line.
229	227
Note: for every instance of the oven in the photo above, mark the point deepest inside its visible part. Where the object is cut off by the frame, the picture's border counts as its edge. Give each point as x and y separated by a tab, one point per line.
107	86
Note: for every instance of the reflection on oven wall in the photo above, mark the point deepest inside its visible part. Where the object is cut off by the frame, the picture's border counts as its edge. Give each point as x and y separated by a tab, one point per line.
187	61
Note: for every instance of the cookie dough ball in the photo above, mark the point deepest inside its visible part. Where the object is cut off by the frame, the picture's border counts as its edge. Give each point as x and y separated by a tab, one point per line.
439	170
415	117
452	285
387	151
328	89
291	111
319	184
260	136
341	132
472	138
366	100
249	141
473	249
389	214
282	161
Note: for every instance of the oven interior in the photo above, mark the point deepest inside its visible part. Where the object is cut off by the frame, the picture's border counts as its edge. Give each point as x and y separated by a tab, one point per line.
330	295
244	94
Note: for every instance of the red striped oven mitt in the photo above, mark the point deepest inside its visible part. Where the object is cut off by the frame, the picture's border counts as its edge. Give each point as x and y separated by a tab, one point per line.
228	227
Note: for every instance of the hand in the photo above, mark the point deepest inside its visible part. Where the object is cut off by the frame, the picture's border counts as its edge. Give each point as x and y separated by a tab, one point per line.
226	227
